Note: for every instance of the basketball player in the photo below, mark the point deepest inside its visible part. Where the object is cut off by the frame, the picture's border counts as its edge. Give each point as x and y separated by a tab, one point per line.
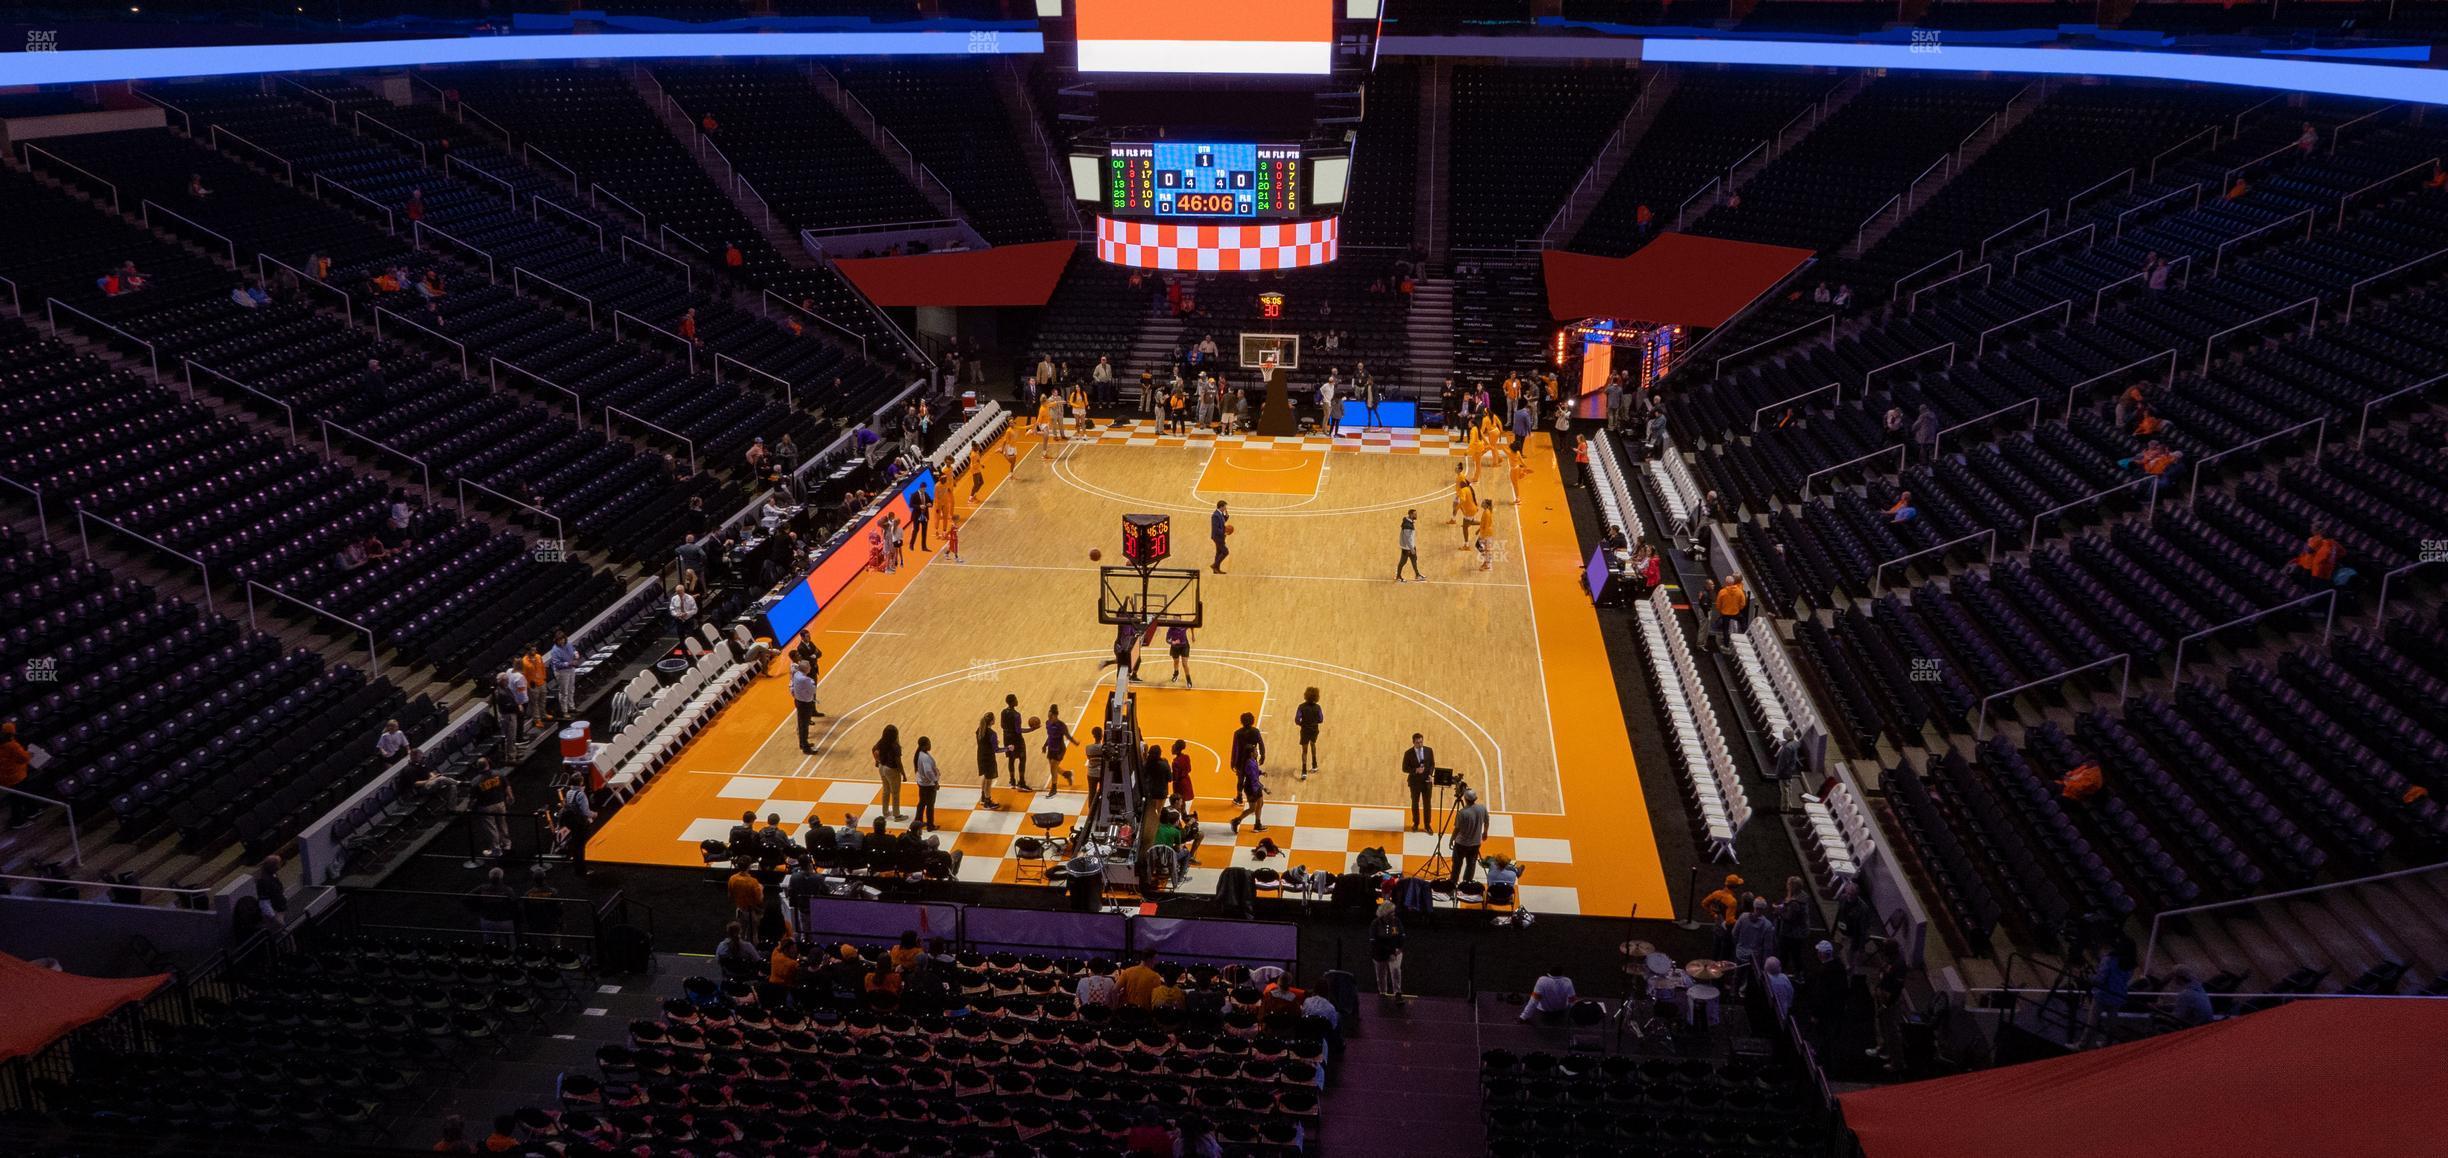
1472	510
1486	542
1520	469
1011	458
1462	487
1015	744
1410	548
1308	716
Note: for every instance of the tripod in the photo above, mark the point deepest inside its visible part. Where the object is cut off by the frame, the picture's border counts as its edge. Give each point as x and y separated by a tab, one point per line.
1438	863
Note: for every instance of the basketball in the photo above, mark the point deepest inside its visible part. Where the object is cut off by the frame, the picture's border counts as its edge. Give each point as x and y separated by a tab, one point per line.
1034	722
1228	528
1095	555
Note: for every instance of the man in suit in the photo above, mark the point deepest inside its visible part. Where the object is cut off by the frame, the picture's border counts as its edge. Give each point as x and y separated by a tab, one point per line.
1419	768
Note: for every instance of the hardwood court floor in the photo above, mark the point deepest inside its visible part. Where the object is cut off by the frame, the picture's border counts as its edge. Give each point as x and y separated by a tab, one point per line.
1502	669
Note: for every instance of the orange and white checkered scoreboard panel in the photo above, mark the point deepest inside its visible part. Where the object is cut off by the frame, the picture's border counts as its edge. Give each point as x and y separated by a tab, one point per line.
1158	245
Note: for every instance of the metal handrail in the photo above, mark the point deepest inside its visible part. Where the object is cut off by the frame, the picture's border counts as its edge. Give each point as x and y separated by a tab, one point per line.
685	344
688	273
1986	122
216	132
560	535
145	210
2347	318
363	118
666	431
1738	162
2338	130
1873	372
577	404
790	395
2227	179
516	287
197	893
2124	660
1837	386
1807	480
1981	346
508	190
85	538
878	227
2363	427
535	212
2319	426
2235	128
2211	342
665	234
466	110
2033	402
2195	189
413	324
348	305
2100	296
2176	672
2431	165
2380	610
184	116
529	153
390	216
1912	190
861	339
1863	230
2150	948
16	296
329	426
1713	183
2219	259
2169	354
30	148
2151	506
76	844
373	647
1809	325
2089	230
764	208
1957	257
596	190
2151	172
2095	187
2044	216
52	306
188	367
418	229
1812	112
42	518
1878	575
1987	271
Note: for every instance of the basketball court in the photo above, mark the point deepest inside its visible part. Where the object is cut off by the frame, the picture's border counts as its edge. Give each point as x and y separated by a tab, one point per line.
1502	669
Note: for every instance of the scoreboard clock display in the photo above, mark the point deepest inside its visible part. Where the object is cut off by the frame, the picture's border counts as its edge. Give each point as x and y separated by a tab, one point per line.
1193	179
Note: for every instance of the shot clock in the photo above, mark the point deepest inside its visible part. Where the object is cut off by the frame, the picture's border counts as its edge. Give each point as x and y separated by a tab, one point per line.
1146	539
1193	179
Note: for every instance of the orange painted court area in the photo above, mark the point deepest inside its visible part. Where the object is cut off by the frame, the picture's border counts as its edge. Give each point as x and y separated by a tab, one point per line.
1506	667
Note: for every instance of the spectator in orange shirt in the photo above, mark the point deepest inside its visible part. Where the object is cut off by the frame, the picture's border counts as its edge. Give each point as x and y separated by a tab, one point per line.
2319	558
504	1137
1730	601
14	763
731	255
1722	903
2083	782
2148	423
708	123
747	899
688	325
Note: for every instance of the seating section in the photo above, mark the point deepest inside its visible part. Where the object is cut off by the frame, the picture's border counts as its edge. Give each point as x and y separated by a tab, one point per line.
318	1048
593	121
952	119
1712	120
1381	202
1550	121
976	1054
1717	799
795	148
1540	1104
1818	193
652	721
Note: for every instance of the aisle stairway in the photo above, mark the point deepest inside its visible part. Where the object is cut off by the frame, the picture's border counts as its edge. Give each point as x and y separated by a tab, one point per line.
1409	1072
719	169
1432	333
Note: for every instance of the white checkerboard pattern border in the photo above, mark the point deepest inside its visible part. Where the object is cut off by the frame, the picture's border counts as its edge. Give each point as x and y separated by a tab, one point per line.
1147	432
1222	248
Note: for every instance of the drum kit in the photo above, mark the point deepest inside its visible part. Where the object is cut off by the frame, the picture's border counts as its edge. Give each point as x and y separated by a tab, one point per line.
1673	987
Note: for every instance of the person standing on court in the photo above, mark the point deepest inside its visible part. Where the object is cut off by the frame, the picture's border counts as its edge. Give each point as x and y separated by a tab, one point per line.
918	523
989	762
1247	742
1219	527
563	662
803	700
887	753
1470	825
1419	771
930	778
1015	744
1252	792
1525	419
1409	539
1308	717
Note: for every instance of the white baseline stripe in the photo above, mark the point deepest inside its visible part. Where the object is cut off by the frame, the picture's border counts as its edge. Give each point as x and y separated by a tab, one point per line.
1245	57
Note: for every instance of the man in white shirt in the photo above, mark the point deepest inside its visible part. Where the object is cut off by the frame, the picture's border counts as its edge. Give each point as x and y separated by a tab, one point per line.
1099	987
803	700
683	613
1550	997
1100	380
1326	404
562	661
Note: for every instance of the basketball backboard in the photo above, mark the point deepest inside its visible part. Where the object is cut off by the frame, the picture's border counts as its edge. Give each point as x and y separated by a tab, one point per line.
1257	349
1165	596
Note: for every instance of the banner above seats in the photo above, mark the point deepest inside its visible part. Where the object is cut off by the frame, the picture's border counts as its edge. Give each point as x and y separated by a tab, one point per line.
1679	279
1007	275
2336	1076
39	1006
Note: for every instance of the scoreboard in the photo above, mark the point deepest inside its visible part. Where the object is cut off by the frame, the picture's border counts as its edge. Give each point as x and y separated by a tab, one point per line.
1176	179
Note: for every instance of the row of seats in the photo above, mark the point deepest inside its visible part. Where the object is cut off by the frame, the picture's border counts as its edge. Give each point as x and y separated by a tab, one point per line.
949	115
662	718
1717	797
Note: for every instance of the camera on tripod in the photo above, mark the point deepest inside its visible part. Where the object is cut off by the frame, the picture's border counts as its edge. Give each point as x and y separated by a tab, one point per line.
1445	778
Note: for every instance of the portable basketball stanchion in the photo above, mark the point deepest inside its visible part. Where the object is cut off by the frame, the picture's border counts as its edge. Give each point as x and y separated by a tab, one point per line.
1138	596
